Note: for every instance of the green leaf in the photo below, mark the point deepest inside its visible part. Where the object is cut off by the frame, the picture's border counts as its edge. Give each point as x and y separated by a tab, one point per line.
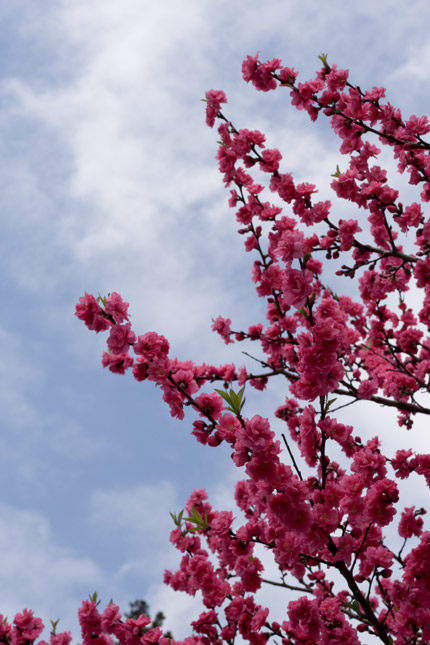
242	398
197	519
329	403
224	395
323	59
94	598
337	173
235	400
355	605
177	518
227	399
54	624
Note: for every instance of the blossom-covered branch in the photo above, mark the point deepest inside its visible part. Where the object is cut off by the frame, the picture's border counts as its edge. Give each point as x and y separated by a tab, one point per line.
328	526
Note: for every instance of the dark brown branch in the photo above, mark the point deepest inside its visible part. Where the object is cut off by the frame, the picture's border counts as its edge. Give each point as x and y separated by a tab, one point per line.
414	408
380	629
292	458
400	405
283	584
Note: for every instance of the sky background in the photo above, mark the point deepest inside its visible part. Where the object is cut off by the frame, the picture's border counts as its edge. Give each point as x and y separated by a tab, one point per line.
109	183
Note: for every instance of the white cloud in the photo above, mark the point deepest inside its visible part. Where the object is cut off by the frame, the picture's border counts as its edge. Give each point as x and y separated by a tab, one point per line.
17	377
179	608
129	120
139	171
38	573
135	522
132	520
416	64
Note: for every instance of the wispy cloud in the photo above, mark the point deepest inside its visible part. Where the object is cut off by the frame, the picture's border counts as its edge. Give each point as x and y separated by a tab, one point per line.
38	572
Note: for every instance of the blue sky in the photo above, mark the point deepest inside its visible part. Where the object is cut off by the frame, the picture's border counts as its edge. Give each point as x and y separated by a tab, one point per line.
109	183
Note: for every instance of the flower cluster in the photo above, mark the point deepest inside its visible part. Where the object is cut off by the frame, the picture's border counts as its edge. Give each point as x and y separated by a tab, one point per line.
325	527
323	344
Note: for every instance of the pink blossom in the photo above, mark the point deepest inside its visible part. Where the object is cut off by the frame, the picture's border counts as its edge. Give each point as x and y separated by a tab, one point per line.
369	464
92	314
28	626
120	338
210	404
297	286
290	246
304	620
411	216
290	512
116	307
175	401
309	437
185	380
401	465
214	98
222	326
374	557
228	426
367	389
379	501
410	523
417	569
5	629
271	159
249	67
117	363
89	619
151	345
260	74
347	231
63	638
283	184
249	568
337	78
422	272
111	618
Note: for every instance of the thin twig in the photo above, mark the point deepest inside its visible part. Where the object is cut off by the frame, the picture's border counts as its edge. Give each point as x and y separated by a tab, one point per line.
283	584
292	457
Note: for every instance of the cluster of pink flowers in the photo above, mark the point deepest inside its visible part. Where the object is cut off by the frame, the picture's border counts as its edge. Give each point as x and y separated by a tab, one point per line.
326	346
97	628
